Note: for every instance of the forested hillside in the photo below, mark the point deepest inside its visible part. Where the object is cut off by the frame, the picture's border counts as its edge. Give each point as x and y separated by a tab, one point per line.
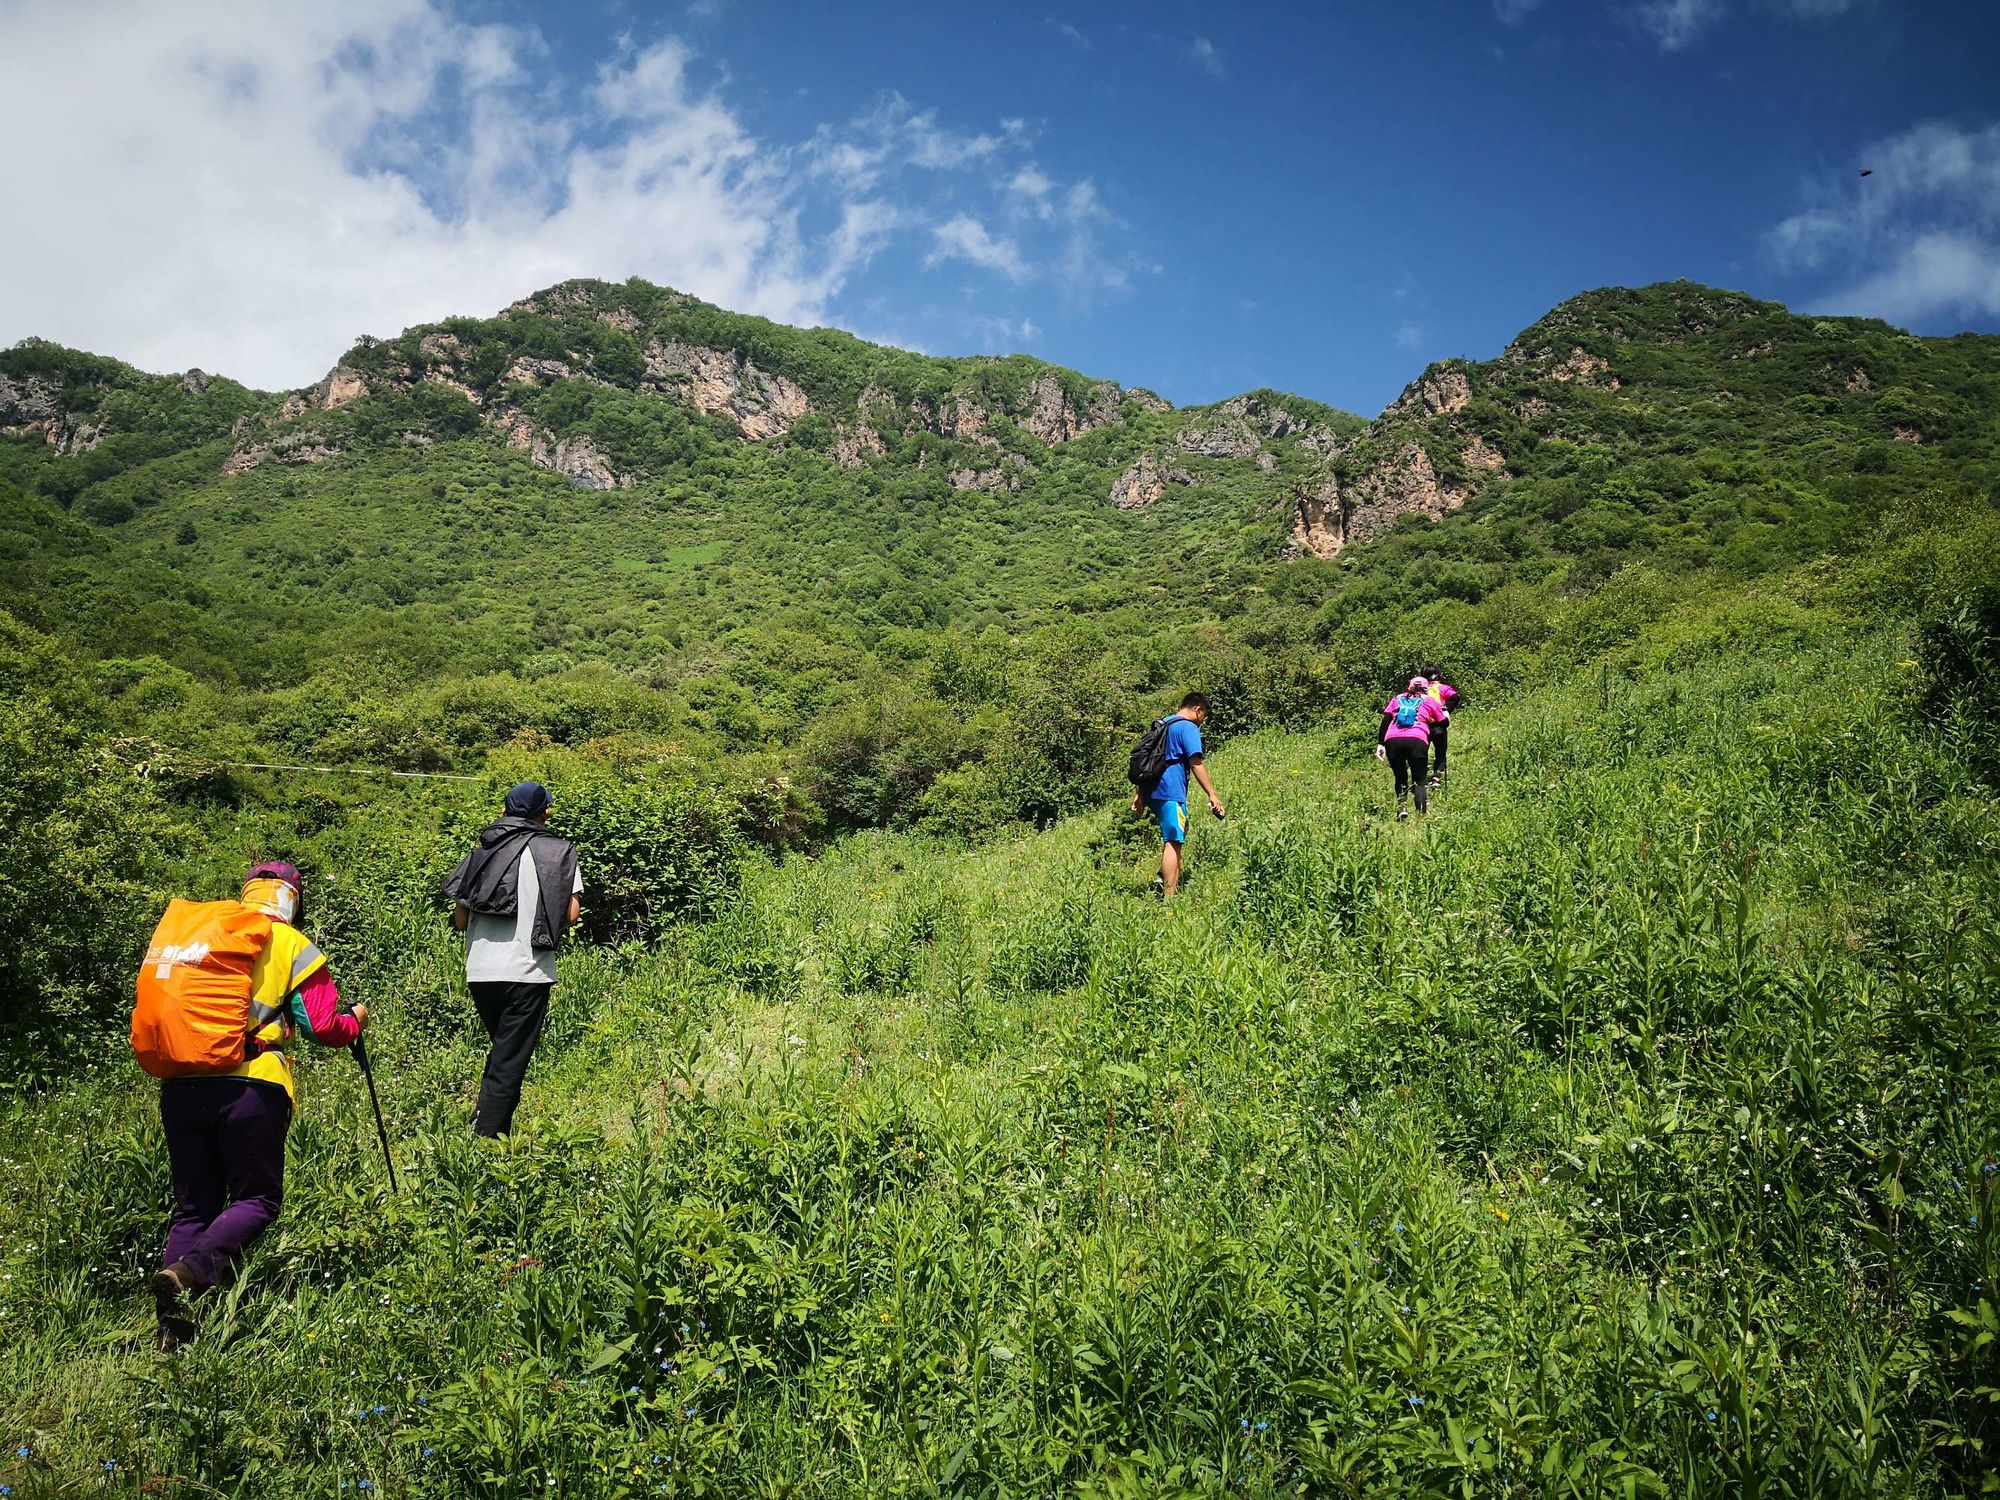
1628	1129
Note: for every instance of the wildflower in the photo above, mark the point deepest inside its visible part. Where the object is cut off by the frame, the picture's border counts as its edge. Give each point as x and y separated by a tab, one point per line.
1415	1401
22	1451
1711	1416
430	1452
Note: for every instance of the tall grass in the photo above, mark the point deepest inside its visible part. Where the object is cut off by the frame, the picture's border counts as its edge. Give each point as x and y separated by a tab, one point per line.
1627	1128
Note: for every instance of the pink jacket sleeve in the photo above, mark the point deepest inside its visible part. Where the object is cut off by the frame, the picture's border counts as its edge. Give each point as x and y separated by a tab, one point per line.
325	1022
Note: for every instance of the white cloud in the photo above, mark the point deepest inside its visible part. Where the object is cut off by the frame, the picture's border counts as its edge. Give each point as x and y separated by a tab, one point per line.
965	238
1030	183
1070	34
1677	24
1088	270
1409	336
1916	240
249	188
1202	53
1514	12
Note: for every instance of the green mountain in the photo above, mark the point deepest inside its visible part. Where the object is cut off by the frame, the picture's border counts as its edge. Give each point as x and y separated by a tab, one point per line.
1628	1127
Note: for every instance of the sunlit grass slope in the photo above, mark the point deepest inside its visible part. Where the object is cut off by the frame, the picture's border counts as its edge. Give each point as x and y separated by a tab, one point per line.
1628	1128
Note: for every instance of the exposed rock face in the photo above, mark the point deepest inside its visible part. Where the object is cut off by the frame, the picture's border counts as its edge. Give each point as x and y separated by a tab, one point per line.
577	459
1106	406
1145	482
722	383
1262	416
195	382
621	318
1147	400
1858	380
527	370
954	416
1328	516
1229	438
340	387
1266	462
854	446
1050	415
1005	477
1583	367
1479	454
554	299
31	405
1907	435
307	446
442	347
1439	391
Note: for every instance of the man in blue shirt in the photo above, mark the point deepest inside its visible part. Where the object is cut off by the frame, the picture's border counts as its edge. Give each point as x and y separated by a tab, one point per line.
1167	801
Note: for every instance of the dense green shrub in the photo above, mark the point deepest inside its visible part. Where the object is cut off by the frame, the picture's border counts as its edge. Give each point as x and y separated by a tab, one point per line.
82	868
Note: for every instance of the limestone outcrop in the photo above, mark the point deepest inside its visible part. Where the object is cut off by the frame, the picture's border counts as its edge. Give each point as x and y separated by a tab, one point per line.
724	383
1329	515
1145	482
305	446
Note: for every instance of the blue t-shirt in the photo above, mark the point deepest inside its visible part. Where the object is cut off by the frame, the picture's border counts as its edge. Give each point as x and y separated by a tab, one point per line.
1183	744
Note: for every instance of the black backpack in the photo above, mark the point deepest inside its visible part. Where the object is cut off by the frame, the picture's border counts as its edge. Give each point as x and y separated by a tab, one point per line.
1149	756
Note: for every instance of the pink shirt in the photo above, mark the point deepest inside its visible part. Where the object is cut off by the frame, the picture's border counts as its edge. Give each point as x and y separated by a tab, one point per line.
1428	713
328	1024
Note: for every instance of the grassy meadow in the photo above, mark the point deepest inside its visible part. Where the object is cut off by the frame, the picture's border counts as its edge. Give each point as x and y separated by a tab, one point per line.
1628	1128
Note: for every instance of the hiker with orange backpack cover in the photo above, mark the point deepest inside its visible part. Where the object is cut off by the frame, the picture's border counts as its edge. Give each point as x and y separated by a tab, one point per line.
224	987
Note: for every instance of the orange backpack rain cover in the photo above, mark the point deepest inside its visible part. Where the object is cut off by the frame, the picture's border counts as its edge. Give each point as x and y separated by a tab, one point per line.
193	1011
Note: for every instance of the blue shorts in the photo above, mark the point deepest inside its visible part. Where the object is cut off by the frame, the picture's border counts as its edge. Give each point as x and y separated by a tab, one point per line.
1173	821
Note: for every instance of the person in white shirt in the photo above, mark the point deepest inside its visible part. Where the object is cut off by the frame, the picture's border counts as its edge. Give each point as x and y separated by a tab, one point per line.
504	894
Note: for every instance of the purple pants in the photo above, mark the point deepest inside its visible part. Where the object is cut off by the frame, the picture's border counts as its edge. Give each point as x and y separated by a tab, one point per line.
226	1139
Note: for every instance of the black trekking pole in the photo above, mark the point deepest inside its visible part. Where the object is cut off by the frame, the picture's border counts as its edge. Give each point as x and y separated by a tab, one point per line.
359	1047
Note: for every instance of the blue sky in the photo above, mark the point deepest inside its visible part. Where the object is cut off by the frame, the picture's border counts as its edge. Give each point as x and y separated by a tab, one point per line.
1195	197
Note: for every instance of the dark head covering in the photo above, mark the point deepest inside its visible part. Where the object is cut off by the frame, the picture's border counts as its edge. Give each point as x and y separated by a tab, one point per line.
529	799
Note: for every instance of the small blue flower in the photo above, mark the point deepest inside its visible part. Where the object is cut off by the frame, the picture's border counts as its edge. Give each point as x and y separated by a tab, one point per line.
1415	1401
110	1465
22	1451
366	1484
1263	1424
430	1452
6	1489
1397	1227
1243	1423
1406	1307
1711	1416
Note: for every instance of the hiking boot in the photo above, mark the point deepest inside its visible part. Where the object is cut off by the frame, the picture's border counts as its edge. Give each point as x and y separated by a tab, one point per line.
1402	815
172	1286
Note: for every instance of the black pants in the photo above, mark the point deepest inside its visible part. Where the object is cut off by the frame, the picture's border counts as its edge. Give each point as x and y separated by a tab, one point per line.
1410	760
1439	734
514	1013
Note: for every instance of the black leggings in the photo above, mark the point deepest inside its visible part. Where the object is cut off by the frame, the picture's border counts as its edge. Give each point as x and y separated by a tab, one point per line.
1410	760
1438	734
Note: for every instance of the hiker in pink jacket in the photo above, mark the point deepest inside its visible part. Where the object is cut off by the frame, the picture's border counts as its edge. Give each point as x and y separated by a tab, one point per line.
1447	699
1405	742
